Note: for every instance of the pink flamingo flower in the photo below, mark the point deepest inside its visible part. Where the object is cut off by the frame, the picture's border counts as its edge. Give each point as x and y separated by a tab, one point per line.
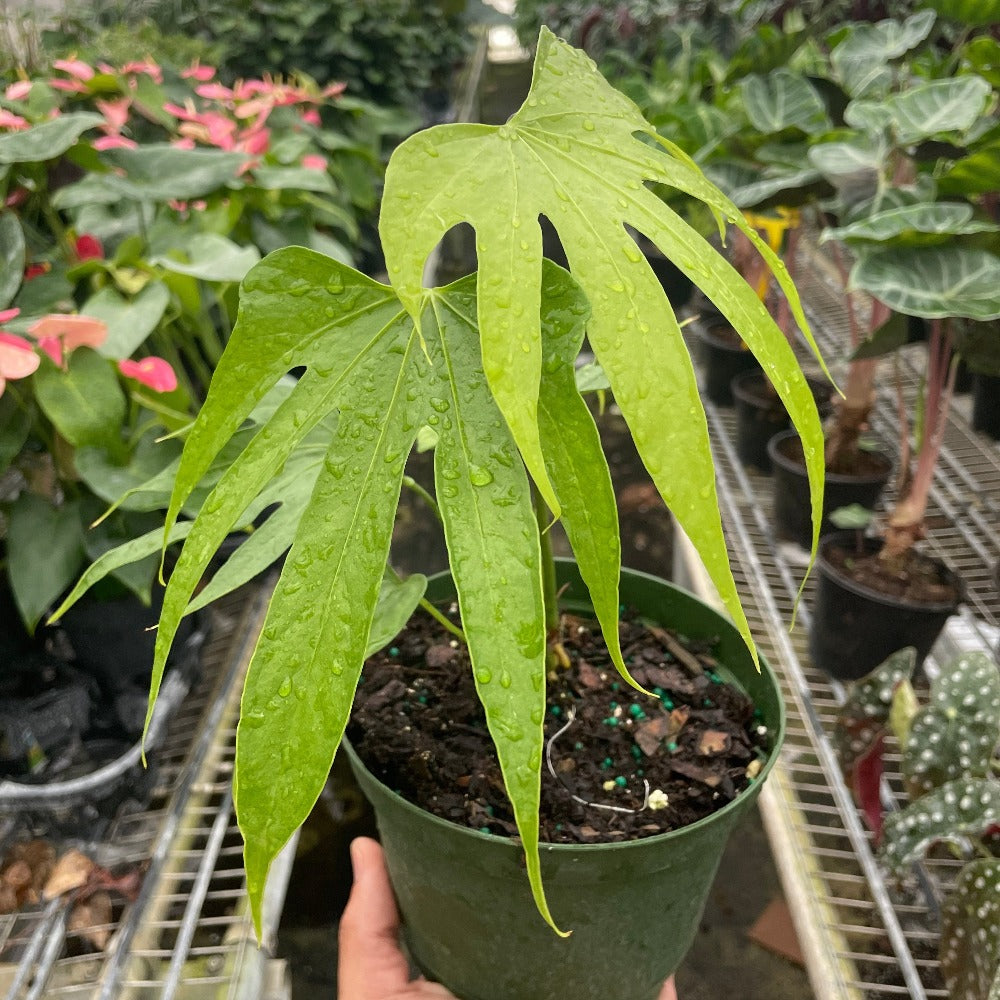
17	357
152	371
59	334
18	90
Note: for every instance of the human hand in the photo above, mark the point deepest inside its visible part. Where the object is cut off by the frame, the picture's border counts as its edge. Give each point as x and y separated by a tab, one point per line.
371	965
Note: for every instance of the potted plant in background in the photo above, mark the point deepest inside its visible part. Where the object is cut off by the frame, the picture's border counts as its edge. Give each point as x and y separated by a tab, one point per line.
929	258
135	199
488	363
948	751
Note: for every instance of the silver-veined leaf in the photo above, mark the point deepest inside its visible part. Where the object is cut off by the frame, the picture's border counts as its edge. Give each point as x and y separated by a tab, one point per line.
783	100
933	282
11	257
937	107
921	223
861	59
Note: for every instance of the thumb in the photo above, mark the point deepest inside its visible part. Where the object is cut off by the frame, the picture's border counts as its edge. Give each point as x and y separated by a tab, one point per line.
668	992
371	963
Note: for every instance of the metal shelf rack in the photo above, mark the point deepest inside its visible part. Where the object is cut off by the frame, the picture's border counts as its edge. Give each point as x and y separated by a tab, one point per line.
864	937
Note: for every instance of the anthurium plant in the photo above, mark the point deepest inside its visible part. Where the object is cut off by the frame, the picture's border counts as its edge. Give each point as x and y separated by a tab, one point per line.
135	198
488	363
923	244
950	771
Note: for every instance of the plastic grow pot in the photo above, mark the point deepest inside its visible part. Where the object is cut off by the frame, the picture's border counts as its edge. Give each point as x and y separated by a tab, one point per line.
633	908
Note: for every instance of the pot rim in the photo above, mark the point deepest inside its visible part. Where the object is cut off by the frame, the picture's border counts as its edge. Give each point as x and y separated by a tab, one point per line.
873	544
776	731
779	458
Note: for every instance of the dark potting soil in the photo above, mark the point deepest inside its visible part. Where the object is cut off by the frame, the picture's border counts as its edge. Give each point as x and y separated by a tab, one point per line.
910	577
418	725
860	462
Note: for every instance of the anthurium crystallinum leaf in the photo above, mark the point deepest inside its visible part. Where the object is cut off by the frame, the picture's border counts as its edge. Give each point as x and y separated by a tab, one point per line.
573	153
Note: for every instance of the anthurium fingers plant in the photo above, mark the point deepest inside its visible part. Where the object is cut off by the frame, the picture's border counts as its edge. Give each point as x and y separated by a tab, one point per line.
949	767
488	363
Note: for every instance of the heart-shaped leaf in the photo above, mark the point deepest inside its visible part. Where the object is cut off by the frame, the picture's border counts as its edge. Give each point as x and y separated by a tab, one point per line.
909	224
209	257
129	322
933	282
783	100
937	107
571	153
861	60
48	140
975	13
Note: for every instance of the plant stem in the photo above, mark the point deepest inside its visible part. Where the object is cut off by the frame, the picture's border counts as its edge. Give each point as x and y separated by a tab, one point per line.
411	484
550	597
441	619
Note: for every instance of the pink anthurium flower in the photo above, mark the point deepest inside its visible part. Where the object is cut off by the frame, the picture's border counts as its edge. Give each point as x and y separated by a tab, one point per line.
115	112
313	161
113	142
17	357
18	90
147	66
70	86
9	120
198	72
152	372
255	141
334	90
75	68
311	116
58	334
214	92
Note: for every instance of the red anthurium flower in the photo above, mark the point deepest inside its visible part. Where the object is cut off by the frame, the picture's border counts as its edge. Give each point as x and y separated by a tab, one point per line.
58	334
153	372
88	248
198	72
34	270
18	90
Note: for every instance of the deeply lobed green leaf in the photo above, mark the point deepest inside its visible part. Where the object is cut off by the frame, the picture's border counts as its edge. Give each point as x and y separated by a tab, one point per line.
573	153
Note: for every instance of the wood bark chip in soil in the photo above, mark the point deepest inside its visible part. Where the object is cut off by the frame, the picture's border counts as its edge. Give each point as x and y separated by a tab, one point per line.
911	577
419	727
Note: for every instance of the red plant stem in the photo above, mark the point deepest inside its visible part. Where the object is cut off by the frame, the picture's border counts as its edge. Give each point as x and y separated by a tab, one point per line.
906	523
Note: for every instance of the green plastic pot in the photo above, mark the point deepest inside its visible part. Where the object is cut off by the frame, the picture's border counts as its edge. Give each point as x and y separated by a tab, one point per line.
633	908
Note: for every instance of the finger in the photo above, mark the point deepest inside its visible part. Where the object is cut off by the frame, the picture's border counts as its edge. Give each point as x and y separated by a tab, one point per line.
668	992
370	962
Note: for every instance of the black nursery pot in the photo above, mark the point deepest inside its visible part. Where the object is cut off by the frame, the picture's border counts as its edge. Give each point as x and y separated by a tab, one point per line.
791	509
854	628
760	415
986	404
723	357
